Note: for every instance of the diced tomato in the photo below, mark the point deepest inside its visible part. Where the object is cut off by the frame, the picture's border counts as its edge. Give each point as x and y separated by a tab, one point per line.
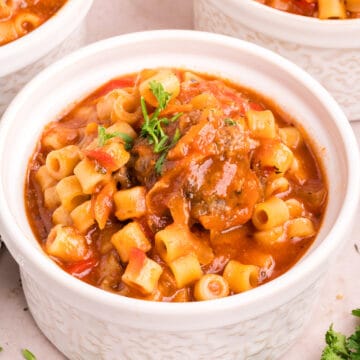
303	7
229	99
102	204
136	260
103	158
255	106
82	268
116	84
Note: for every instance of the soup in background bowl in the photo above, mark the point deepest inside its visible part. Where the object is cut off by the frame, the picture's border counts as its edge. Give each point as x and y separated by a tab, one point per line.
18	18
90	321
34	36
322	9
327	49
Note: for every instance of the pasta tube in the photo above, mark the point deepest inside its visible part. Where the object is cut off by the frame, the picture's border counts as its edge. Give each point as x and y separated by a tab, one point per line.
290	136
60	163
211	286
129	237
82	216
44	179
70	192
241	277
186	270
66	243
331	9
130	203
300	227
141	272
261	124
167	79
353	5
269	214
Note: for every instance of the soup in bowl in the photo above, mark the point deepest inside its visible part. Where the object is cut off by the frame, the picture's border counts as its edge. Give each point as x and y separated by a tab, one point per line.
170	185
322	9
18	18
326	48
157	218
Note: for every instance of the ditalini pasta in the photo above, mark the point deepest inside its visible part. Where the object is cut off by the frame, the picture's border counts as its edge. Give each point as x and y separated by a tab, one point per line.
19	17
323	9
170	185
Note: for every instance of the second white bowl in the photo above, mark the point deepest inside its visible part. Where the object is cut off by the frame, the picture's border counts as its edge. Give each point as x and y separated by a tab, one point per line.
327	49
22	59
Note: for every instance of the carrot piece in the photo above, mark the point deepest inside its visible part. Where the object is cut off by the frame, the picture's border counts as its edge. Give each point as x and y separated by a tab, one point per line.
91	128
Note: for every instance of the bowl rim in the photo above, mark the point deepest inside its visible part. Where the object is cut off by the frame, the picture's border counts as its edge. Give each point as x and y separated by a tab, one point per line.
29	48
285	26
24	252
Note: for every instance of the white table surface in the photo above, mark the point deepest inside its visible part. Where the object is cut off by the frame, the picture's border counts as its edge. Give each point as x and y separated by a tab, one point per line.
340	295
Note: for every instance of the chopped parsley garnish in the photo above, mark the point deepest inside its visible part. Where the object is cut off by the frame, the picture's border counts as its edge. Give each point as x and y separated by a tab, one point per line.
103	137
28	355
162	96
1	349
175	117
340	347
152	127
230	122
160	161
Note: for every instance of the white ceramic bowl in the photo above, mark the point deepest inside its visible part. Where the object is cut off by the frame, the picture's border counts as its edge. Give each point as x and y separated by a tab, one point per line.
327	49
23	58
85	322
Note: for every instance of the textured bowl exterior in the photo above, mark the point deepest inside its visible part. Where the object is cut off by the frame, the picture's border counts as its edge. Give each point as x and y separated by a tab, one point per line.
80	335
336	68
12	83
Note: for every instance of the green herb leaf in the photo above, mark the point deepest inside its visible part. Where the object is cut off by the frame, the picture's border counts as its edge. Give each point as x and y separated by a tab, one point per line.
354	344
144	111
329	354
164	121
28	355
336	341
152	126
176	137
175	117
1	349
160	146
339	347
162	96
160	162
230	122
127	139
103	137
